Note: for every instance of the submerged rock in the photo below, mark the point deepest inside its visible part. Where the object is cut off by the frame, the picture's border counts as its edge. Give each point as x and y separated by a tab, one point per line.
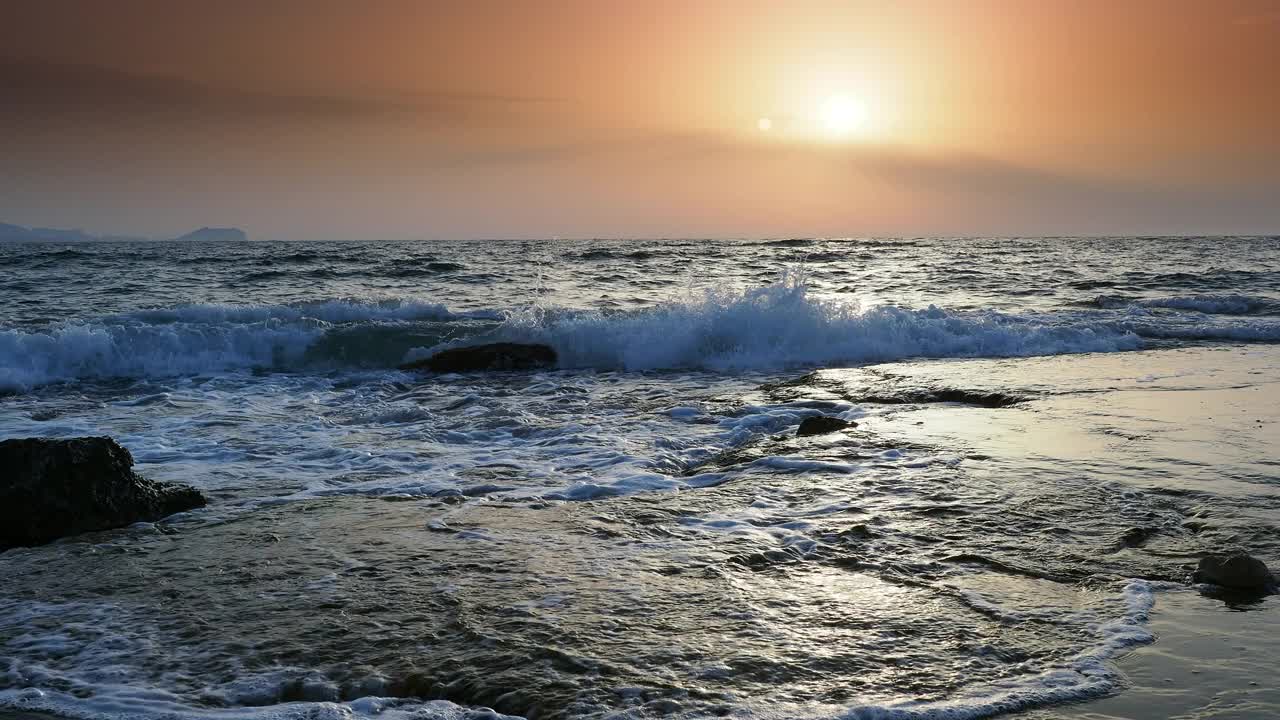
493	356
822	425
52	488
1238	571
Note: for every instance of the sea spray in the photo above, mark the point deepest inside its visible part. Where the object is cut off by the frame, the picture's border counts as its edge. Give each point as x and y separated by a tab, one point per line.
719	328
782	325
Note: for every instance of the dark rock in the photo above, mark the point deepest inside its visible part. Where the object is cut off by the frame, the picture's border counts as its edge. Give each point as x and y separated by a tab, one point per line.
494	356
53	488
947	395
1138	536
1237	571
822	425
857	532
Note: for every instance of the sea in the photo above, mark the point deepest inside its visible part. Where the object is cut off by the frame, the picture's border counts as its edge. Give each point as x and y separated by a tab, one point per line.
1046	435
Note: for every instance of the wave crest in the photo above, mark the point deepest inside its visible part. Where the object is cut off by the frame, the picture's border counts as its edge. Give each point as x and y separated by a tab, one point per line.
212	338
1208	304
781	325
772	327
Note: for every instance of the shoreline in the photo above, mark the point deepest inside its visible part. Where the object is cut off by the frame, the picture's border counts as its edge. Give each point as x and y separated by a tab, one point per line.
313	572
1209	660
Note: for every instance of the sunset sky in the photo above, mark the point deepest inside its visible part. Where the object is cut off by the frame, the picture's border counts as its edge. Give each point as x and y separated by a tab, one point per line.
382	119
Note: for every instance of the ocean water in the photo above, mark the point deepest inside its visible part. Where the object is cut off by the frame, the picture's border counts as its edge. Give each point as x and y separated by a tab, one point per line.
1050	433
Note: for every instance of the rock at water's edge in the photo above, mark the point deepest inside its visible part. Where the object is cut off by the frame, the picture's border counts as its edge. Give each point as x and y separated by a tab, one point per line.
494	356
1238	571
822	425
52	488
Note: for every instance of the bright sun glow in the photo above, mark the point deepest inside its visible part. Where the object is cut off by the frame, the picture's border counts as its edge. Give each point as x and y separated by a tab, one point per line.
843	115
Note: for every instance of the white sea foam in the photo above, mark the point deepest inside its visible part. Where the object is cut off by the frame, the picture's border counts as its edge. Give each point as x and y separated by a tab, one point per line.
772	327
781	325
89	668
101	649
1088	674
200	339
123	702
72	352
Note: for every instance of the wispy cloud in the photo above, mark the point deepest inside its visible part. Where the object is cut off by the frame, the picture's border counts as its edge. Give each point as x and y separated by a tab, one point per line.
37	89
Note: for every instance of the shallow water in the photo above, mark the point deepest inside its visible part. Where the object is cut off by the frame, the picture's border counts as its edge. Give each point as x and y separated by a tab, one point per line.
1034	471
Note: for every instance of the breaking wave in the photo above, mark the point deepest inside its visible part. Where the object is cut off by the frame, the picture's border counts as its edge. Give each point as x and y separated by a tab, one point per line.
213	338
781	325
776	326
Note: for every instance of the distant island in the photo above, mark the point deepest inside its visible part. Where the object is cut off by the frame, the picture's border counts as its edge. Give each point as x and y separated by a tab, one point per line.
218	234
20	233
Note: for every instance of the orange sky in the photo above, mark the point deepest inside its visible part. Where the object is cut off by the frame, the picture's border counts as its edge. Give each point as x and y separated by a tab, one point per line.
327	119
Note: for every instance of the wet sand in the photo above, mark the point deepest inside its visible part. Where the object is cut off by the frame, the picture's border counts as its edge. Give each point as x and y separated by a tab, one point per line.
1212	660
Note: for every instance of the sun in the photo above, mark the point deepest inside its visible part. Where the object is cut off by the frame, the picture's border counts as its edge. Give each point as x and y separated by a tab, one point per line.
843	115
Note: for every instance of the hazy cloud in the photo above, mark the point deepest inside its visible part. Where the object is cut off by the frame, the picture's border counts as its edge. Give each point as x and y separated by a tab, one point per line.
37	90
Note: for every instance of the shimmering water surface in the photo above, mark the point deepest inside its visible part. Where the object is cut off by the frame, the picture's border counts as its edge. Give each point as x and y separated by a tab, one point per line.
1050	433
